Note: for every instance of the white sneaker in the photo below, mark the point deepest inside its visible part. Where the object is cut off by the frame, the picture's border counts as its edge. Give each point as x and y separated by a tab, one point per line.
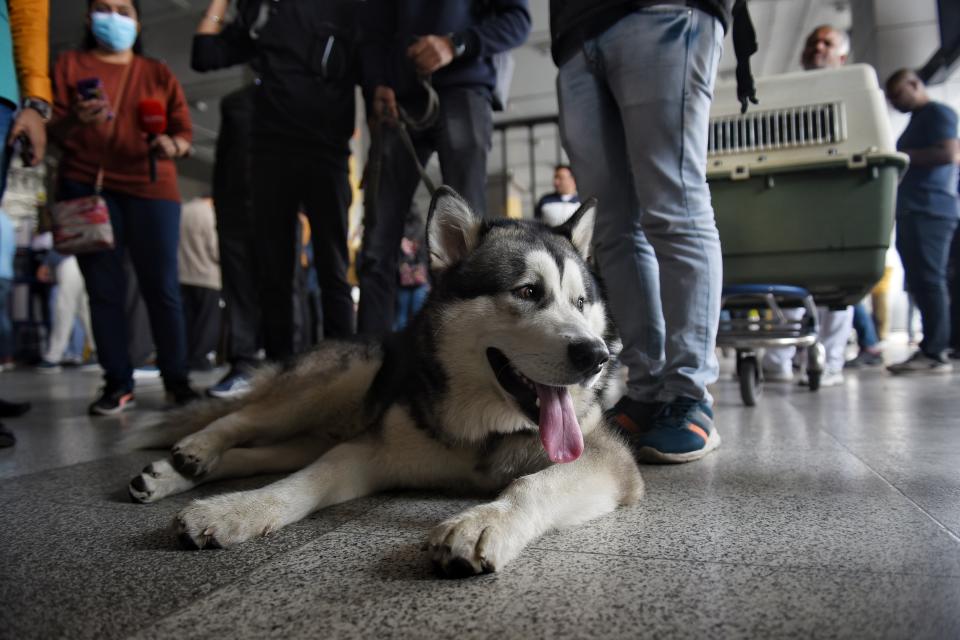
920	362
828	378
777	376
831	379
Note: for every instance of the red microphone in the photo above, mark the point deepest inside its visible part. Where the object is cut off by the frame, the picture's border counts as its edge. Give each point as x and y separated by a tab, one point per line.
153	120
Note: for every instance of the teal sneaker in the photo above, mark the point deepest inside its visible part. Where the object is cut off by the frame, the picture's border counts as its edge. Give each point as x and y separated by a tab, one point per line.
678	431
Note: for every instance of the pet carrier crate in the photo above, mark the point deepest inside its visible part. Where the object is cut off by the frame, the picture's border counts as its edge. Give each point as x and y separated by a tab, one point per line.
804	184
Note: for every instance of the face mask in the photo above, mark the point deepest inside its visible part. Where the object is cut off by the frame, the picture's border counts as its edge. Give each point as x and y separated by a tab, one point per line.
113	31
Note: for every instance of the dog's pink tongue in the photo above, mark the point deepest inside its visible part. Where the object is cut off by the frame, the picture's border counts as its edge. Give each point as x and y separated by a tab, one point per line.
559	430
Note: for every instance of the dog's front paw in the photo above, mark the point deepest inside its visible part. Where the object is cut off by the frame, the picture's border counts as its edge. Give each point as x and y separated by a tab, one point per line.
220	522
479	540
197	454
158	480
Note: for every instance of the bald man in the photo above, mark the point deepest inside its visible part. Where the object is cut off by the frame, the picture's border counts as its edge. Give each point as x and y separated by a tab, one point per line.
826	48
927	214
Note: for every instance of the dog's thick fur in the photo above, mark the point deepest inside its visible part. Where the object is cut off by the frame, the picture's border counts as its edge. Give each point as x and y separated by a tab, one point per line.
515	320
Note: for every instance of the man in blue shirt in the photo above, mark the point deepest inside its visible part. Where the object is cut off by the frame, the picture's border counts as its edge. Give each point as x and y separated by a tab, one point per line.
927	214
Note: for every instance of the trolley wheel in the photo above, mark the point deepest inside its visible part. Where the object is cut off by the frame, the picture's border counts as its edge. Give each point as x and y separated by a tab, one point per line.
814	379
750	384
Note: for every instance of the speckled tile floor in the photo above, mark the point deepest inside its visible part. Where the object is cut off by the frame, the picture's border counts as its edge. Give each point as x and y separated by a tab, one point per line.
829	514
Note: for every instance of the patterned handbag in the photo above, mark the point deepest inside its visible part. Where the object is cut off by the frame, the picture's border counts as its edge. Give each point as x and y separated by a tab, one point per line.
82	225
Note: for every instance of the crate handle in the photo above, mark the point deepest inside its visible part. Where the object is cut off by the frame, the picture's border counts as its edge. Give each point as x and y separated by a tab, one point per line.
857	161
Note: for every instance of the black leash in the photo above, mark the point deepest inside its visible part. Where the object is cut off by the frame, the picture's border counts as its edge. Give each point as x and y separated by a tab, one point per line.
371	178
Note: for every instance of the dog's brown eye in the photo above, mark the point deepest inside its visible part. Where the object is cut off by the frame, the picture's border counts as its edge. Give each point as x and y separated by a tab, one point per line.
525	293
580	303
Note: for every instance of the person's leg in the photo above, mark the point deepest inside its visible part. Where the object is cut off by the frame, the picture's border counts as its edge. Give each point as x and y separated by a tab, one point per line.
276	202
140	345
201	306
661	64
777	362
404	300
190	303
326	200
954	285
593	136
464	133
863	325
236	237
867	340
933	237
383	220
66	301
835	329
7	111
106	283
154	236
878	300
6	326
923	244
647	84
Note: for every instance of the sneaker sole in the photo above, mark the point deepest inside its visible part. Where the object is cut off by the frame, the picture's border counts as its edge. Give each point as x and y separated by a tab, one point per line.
650	455
96	411
931	371
227	395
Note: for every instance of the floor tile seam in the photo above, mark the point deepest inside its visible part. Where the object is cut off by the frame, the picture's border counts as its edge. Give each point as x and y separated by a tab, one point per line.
950	532
764	565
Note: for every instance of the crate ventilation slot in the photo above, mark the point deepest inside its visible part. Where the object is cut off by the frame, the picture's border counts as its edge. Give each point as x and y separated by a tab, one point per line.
790	128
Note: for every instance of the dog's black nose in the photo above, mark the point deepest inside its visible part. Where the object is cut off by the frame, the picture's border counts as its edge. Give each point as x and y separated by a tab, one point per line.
588	355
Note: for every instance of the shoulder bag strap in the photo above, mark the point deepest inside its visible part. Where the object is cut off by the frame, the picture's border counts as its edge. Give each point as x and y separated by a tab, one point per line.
98	185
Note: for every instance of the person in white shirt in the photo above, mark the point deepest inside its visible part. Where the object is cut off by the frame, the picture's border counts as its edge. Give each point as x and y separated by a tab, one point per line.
554	208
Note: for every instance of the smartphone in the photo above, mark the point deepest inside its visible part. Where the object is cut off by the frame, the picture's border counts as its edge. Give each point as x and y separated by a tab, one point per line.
23	148
90	89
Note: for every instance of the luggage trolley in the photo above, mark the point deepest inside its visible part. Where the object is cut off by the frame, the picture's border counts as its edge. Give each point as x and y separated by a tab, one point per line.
753	320
804	190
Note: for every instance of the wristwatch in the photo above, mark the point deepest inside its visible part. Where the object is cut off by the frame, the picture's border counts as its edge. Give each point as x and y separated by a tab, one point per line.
459	45
40	106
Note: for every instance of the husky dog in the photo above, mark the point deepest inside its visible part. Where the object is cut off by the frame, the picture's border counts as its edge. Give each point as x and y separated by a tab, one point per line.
497	386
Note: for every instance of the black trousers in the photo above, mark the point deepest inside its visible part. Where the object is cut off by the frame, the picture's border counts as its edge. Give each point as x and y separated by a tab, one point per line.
201	314
461	137
283	184
236	234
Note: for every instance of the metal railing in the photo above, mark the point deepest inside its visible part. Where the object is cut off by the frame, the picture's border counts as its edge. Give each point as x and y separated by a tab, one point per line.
503	128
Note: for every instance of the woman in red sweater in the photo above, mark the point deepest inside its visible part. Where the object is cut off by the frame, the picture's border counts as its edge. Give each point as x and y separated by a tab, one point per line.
97	92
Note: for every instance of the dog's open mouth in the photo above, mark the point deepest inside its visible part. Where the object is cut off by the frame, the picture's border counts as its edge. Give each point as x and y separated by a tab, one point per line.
549	406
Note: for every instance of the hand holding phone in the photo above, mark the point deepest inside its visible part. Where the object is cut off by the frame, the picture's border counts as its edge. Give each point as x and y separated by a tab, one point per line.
90	89
91	106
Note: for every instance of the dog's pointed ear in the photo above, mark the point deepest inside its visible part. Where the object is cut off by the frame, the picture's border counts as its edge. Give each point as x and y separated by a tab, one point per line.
579	227
452	229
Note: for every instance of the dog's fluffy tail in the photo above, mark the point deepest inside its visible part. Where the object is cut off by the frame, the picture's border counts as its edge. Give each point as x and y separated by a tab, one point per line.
162	430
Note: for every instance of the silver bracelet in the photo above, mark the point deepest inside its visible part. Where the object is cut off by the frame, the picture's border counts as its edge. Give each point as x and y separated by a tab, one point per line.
216	19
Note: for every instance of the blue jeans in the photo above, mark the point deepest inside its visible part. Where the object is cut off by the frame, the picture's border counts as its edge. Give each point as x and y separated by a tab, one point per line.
634	113
923	242
863	325
7	113
150	231
409	301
